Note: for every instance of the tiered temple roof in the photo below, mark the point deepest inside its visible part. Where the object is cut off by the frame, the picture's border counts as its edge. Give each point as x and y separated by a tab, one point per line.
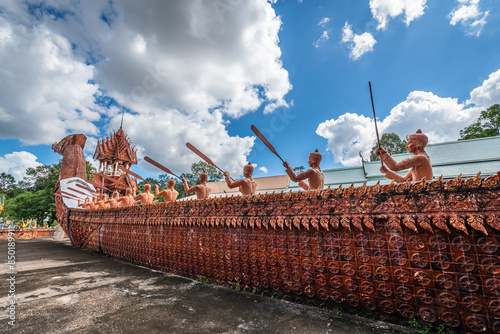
113	151
116	147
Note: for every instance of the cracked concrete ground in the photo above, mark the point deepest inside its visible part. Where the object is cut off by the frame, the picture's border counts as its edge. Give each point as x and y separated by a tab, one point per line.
64	289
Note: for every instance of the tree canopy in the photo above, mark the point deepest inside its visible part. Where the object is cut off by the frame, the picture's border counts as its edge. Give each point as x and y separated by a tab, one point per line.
392	144
33	196
487	125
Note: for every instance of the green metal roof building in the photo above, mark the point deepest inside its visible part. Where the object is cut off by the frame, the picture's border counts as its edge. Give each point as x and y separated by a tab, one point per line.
466	157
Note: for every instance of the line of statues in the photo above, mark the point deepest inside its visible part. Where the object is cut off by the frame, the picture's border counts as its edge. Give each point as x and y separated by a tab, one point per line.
419	168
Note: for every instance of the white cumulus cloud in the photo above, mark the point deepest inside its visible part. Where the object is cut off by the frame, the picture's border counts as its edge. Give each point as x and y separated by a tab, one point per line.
183	69
488	93
468	13
358	44
263	169
351	133
383	10
16	163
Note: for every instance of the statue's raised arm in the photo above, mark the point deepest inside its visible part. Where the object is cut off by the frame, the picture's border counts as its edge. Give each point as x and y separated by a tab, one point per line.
202	190
247	186
314	175
420	164
170	194
146	197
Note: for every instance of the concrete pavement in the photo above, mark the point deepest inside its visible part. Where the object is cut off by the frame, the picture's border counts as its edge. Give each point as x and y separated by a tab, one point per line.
63	289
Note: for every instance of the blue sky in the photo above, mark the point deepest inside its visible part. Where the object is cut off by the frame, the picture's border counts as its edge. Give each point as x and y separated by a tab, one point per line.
203	72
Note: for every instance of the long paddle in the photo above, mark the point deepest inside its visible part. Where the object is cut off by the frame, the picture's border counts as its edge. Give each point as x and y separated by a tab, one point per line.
163	168
78	191
101	174
137	176
203	156
375	118
70	195
268	144
95	184
59	195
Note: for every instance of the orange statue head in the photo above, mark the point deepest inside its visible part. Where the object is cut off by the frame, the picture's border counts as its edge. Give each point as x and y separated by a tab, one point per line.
417	142
248	170
315	158
203	177
128	192
147	188
171	183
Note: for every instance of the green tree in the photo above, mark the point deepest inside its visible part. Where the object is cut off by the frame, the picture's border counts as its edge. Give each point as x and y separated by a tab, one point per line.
197	168
487	125
7	181
299	169
29	205
392	144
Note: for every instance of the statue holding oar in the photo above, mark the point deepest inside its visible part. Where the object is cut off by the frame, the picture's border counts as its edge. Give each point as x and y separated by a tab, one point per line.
247	186
314	175
170	194
202	190
420	165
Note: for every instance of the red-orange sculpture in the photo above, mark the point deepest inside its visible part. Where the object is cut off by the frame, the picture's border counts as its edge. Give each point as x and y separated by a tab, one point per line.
73	163
146	197
170	194
113	202
128	199
427	250
113	152
314	175
202	190
420	164
247	186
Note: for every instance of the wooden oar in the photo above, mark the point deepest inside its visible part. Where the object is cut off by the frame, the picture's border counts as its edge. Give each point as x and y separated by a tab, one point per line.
70	195
163	168
375	118
78	191
83	187
137	176
59	195
101	174
95	184
268	144
203	156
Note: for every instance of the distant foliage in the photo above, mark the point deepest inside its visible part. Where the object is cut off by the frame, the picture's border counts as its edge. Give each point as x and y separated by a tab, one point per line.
298	169
392	144
33	196
487	125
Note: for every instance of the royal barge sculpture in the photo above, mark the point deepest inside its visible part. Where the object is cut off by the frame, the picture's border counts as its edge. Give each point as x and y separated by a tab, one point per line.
426	250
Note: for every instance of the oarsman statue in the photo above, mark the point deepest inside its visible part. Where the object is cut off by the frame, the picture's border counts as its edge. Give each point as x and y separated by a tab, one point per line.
128	199
420	165
113	201
85	204
314	175
170	194
247	186
146	197
103	202
202	190
96	197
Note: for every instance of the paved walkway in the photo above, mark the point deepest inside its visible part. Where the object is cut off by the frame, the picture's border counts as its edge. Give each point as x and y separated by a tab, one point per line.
63	289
